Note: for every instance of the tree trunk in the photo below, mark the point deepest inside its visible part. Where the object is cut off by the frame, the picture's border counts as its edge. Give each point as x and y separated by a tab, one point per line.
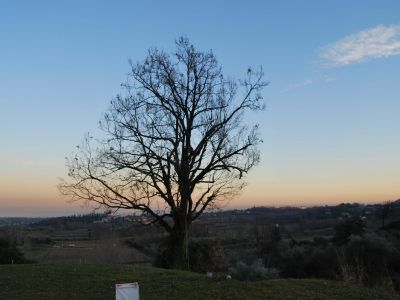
178	247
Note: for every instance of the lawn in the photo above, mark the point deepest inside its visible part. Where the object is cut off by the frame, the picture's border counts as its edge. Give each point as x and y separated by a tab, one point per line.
97	282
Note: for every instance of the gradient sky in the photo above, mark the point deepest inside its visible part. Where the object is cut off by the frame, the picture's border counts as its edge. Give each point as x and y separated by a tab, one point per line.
330	130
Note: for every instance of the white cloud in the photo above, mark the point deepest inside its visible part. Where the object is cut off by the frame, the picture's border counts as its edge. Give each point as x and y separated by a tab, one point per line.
380	41
300	84
307	82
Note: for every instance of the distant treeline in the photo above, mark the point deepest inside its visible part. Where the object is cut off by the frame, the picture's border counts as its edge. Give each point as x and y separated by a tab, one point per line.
61	221
18	221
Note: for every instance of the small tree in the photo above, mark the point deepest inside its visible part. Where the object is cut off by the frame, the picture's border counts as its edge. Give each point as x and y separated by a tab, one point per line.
344	230
384	210
175	143
9	254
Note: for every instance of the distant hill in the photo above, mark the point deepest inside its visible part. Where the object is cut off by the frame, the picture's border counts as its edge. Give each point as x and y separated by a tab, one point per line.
60	221
19	221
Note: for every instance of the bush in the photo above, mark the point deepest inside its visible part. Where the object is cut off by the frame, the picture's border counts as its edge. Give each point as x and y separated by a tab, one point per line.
371	260
253	272
9	253
308	260
344	230
206	255
163	256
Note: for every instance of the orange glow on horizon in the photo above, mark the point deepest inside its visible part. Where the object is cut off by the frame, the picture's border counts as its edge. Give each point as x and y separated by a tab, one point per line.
33	194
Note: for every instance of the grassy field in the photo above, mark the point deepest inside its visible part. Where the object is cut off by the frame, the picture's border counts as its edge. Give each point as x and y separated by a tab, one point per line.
97	282
112	251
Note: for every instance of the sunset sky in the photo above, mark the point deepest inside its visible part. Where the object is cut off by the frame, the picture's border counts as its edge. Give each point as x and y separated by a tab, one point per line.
331	128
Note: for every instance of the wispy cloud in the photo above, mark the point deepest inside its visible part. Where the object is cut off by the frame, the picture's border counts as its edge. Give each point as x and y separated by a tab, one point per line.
307	82
380	41
300	84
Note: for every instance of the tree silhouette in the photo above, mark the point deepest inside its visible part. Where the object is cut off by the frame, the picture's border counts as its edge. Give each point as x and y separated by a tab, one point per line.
384	210
175	143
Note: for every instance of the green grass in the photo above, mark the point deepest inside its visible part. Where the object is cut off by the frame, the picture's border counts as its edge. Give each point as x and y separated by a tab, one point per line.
97	282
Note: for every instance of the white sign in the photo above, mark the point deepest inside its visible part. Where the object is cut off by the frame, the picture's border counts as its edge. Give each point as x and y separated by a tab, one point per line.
127	291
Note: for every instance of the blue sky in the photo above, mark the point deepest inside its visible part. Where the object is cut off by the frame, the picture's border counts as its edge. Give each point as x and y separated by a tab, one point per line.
330	130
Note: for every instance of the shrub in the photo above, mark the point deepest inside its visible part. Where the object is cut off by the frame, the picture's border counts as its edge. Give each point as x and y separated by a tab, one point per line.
206	255
307	260
9	253
253	272
344	230
371	260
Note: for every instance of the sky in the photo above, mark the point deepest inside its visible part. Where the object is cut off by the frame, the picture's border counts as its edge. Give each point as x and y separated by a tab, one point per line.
331	123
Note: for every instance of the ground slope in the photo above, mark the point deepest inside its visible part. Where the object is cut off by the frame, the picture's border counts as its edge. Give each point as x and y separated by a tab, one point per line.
97	282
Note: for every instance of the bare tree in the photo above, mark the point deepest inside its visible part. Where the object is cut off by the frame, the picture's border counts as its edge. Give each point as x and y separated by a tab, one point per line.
384	210
175	142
